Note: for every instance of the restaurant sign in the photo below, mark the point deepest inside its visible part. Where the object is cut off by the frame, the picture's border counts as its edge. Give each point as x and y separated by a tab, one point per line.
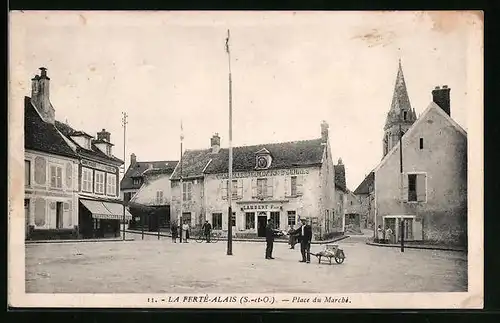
266	173
95	165
261	207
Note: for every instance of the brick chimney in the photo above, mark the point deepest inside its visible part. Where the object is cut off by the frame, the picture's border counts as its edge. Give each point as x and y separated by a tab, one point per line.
104	135
215	143
133	159
40	96
339	173
441	96
324	131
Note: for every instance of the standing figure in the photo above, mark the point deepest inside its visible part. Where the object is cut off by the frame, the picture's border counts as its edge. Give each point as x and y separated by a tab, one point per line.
174	231
291	237
388	235
207	229
185	229
305	237
380	235
270	233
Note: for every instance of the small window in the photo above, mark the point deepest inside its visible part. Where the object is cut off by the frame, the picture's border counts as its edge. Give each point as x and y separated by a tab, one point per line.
99	182
217	221
159	197
292	218
27	173
137	181
293	186
250	220
187	189
405	113
421	143
111	184
262	187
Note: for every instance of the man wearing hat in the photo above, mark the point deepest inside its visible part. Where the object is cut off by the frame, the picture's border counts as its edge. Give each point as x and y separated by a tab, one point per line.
270	233
305	237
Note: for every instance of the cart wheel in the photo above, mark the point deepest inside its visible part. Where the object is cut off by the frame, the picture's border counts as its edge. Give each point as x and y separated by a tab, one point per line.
339	258
214	238
200	238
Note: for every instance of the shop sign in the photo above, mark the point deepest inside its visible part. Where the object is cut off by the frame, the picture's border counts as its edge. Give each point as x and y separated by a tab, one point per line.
261	207
95	165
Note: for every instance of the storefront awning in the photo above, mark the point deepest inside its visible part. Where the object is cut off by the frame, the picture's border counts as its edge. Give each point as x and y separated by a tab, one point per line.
105	210
117	210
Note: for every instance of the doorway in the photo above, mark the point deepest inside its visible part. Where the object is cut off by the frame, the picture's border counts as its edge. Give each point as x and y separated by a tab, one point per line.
59	215
261	224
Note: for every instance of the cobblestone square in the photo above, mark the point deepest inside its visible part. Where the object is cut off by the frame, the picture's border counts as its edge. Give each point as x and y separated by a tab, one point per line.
153	266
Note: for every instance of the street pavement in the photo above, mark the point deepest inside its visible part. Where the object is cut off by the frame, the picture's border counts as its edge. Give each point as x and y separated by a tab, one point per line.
160	266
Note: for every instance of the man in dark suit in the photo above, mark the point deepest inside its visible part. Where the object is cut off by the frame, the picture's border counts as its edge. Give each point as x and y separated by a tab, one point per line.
305	237
207	229
270	233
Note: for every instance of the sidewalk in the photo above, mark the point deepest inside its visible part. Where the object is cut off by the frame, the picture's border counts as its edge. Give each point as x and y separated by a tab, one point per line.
243	239
78	240
417	246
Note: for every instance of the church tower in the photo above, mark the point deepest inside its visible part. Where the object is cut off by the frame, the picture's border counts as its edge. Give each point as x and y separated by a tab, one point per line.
400	113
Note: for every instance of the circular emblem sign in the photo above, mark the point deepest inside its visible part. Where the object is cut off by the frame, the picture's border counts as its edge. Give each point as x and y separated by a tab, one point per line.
262	162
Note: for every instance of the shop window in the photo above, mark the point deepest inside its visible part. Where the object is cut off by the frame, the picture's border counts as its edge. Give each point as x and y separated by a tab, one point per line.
275	217
250	220
217	221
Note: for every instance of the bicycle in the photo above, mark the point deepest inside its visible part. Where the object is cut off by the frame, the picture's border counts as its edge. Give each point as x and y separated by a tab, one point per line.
214	237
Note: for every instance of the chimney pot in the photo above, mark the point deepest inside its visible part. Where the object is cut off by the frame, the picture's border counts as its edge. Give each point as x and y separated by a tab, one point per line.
437	88
215	143
133	159
442	98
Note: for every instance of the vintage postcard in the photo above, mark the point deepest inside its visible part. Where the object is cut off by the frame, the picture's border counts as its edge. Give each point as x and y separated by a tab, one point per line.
246	159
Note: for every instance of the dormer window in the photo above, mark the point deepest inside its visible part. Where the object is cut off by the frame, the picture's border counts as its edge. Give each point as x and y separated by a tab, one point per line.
108	150
137	181
87	143
263	159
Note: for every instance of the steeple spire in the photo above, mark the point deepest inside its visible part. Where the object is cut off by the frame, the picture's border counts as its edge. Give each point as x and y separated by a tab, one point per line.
400	99
400	113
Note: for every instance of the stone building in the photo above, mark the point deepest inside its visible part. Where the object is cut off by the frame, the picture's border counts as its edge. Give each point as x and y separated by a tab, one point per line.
73	175
366	197
430	196
51	170
279	181
150	205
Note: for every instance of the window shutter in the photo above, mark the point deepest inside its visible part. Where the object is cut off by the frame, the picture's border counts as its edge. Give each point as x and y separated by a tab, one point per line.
287	187
300	181
270	187
224	189
240	188
421	188
405	188
53	176
254	187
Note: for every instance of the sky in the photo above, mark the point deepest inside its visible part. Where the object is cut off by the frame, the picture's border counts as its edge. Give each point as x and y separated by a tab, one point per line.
290	71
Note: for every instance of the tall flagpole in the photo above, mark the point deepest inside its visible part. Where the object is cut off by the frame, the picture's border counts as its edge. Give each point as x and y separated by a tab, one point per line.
401	172
124	123
179	225
230	181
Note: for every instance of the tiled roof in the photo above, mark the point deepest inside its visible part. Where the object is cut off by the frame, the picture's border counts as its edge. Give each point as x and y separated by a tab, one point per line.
42	136
366	185
195	163
140	169
93	153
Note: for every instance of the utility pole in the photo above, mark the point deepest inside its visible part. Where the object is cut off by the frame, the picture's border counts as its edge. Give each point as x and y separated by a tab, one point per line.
230	166
401	173
124	124
179	226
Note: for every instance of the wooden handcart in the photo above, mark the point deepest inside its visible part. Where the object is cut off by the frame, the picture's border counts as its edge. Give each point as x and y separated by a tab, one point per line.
331	251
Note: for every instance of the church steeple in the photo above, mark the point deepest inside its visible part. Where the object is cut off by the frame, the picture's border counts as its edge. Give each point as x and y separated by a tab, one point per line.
400	113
